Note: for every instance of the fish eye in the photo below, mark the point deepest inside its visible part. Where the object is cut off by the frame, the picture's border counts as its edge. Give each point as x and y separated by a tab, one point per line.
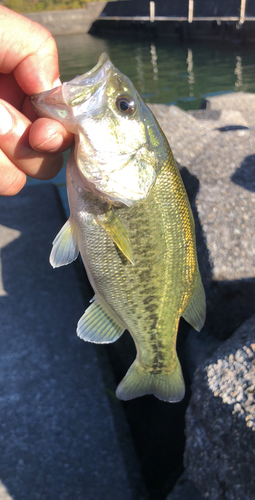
125	104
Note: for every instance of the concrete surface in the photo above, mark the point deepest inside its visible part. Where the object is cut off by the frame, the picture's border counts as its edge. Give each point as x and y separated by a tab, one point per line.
67	22
58	439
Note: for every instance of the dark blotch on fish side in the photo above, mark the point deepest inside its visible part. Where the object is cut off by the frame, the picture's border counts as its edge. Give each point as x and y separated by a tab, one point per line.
148	300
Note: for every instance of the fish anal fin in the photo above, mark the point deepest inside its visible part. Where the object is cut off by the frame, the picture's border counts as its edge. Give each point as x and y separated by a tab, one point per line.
65	246
111	223
194	313
97	326
139	382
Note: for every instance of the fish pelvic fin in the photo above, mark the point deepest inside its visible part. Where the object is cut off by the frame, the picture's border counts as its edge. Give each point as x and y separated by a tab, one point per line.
194	313
65	246
139	382
111	223
97	326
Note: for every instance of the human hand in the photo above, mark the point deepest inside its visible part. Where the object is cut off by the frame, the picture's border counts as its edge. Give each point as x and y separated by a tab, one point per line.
28	65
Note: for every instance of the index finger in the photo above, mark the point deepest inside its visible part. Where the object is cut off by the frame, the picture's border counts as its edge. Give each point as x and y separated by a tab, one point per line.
29	51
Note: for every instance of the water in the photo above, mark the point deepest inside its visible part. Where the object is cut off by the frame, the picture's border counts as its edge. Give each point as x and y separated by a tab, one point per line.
165	71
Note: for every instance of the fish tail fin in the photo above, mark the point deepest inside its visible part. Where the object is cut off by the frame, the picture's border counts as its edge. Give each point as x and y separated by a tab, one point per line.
139	382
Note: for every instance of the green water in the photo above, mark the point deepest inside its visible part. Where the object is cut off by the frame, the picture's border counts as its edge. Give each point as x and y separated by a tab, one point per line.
165	71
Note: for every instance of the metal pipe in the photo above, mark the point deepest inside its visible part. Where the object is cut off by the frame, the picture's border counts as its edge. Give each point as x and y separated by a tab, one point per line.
191	9
242	11
171	18
152	12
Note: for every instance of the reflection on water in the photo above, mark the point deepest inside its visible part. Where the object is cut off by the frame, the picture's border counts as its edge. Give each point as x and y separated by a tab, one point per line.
139	69
154	58
191	75
164	71
239	73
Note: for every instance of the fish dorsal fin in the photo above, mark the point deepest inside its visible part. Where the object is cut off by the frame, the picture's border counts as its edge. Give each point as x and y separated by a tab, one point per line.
65	246
111	223
97	326
194	313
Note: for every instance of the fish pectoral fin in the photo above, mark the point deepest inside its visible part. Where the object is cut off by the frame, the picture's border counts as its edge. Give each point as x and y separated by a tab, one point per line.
97	326
65	246
195	311
118	233
139	382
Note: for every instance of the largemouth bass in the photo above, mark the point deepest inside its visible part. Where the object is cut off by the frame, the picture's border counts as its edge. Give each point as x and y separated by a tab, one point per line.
132	224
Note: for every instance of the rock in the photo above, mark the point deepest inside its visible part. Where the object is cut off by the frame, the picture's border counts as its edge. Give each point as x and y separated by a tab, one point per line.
220	420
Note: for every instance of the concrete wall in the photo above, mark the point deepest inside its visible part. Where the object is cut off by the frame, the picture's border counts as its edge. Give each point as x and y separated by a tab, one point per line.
142	8
224	31
217	8
250	8
177	8
67	22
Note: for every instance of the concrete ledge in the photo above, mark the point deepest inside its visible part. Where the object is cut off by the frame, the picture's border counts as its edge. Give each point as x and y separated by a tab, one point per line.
68	22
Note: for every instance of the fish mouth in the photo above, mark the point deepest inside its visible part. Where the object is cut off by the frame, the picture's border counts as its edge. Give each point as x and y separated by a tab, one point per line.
82	87
49	103
53	103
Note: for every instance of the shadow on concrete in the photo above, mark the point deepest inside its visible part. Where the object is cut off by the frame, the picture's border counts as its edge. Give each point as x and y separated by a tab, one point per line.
229	128
244	176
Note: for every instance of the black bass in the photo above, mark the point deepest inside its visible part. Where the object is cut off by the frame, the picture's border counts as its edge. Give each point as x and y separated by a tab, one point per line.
132	224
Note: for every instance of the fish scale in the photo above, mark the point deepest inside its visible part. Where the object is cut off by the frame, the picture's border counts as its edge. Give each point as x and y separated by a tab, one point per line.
132	224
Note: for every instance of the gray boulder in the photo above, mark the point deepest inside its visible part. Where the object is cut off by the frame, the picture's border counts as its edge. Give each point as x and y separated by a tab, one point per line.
220	421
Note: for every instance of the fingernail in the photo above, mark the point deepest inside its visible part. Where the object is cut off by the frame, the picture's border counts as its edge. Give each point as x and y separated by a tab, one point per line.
56	83
5	120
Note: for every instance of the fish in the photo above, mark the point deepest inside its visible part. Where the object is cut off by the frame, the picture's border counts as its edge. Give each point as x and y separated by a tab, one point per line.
131	222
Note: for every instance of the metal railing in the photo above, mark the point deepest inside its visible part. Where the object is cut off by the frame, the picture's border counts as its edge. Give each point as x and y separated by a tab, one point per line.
190	17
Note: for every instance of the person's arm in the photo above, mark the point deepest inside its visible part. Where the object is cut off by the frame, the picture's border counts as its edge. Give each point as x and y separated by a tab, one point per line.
28	65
